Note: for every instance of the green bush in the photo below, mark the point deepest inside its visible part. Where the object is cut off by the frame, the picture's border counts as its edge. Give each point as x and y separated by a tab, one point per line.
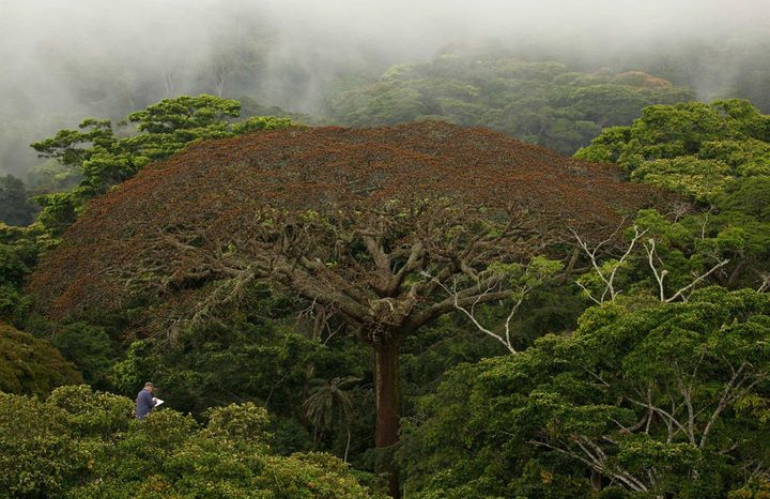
38	457
31	366
92	413
82	444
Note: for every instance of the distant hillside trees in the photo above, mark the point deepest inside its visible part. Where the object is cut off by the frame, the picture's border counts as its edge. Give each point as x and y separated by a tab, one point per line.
16	208
540	102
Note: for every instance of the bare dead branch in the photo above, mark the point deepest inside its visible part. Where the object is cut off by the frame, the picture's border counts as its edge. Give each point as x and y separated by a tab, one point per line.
660	275
609	279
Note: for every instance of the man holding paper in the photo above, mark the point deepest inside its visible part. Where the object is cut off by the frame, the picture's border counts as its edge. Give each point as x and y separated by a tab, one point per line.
145	401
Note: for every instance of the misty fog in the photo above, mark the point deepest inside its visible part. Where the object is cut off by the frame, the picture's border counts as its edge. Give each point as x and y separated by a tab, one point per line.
63	60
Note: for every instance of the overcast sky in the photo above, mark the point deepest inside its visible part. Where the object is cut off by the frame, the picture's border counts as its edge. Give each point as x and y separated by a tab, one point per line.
146	30
401	22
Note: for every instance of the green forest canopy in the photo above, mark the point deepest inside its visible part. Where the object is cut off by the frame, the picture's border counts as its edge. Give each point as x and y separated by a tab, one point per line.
86	444
540	102
714	156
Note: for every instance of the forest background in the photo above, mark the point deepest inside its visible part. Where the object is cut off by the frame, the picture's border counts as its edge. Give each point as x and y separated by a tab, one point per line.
644	368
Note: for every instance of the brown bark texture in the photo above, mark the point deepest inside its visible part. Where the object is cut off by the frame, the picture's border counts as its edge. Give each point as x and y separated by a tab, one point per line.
388	400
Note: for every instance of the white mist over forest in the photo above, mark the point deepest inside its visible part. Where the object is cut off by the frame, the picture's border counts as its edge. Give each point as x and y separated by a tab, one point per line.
63	60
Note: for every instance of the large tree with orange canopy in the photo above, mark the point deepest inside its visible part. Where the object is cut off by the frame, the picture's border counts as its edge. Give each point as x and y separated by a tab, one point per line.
389	228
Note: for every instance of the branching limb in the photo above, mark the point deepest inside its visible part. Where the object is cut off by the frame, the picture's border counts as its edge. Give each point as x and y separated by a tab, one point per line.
470	313
494	287
607	277
593	457
660	275
667	416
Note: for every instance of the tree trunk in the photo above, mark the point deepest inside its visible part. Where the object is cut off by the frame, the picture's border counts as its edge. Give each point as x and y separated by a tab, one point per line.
736	274
387	393
347	445
315	335
596	480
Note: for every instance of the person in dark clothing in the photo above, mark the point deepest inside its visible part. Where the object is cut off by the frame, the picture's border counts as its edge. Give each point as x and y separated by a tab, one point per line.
145	401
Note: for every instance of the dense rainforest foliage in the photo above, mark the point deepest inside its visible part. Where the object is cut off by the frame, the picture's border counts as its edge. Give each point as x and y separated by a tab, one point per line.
386	229
449	312
642	400
79	444
540	102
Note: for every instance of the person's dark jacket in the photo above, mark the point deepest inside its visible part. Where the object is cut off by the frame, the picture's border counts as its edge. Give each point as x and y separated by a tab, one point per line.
144	404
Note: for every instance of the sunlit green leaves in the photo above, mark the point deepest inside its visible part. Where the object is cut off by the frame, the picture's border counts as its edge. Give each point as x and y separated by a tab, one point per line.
701	180
572	401
81	444
691	148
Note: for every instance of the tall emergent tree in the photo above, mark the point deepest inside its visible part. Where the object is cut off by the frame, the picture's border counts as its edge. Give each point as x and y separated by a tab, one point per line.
389	228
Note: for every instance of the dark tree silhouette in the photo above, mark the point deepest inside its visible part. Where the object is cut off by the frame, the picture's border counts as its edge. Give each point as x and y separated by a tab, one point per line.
373	224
